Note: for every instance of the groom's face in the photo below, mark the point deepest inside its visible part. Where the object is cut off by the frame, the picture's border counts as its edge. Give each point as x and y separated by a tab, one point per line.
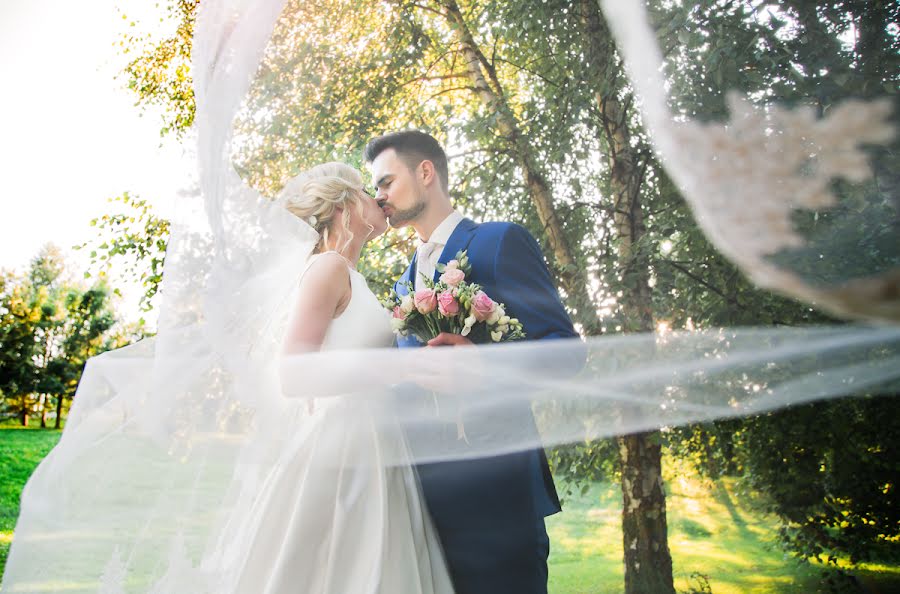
401	196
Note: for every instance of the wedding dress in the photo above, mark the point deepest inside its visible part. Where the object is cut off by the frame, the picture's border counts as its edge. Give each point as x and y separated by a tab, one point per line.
338	512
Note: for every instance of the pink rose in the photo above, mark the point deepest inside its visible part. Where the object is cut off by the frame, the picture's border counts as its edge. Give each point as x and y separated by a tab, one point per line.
453	276
398	313
425	300
447	304
482	306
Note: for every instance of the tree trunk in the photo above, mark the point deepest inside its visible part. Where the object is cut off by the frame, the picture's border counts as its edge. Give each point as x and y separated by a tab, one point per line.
59	406
43	408
648	562
483	78
872	45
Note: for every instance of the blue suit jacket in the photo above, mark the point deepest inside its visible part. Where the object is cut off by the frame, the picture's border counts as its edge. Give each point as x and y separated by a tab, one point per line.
507	262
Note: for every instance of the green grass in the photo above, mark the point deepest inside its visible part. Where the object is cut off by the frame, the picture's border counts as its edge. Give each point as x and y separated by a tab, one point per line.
713	531
20	452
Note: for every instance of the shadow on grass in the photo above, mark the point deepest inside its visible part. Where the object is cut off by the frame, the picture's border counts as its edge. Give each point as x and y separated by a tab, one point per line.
713	531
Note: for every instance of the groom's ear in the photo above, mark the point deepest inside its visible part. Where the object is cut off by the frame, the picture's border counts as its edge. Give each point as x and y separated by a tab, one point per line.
429	174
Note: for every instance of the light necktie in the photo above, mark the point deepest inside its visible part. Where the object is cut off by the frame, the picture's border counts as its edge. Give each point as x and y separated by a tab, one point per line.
425	262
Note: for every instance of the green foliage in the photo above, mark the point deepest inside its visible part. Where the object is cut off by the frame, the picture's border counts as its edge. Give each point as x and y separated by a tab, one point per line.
810	55
800	54
20	314
828	471
160	74
133	241
49	327
831	472
579	466
698	583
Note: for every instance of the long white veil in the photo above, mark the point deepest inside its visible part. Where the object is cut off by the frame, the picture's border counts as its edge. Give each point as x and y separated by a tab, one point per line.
170	439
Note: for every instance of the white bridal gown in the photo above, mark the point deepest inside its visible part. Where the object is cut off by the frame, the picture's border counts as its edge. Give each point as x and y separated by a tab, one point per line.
333	517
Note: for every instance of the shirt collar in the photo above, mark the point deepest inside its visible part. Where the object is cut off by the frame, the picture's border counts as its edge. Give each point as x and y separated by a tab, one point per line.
442	233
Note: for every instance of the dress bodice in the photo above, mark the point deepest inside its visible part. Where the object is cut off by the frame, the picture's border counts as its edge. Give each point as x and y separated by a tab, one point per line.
364	323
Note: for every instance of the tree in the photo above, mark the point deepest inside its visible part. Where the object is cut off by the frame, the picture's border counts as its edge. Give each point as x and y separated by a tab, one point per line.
46	277
82	333
800	53
49	327
20	313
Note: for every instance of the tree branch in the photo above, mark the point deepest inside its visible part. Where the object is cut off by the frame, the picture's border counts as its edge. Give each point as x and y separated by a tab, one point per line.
699	280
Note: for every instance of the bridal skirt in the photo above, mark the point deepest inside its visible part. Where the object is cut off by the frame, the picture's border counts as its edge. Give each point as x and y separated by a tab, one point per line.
337	514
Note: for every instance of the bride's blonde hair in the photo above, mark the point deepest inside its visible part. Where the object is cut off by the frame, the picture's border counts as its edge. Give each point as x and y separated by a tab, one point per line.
321	194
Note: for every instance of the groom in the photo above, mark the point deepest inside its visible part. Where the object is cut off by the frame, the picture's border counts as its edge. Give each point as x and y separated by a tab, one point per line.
489	513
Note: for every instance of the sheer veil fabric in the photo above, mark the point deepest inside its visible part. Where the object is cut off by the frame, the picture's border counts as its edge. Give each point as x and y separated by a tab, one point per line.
173	444
752	176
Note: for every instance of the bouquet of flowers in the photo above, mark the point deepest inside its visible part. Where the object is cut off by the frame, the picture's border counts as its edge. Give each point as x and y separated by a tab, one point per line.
451	305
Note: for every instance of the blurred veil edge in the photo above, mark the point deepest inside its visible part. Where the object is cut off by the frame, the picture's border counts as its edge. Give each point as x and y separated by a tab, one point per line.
784	161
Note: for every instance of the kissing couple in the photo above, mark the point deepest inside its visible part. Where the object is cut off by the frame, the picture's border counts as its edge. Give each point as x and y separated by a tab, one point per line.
468	526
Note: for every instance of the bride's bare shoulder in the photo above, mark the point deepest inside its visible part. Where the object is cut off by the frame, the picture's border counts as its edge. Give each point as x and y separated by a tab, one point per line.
326	270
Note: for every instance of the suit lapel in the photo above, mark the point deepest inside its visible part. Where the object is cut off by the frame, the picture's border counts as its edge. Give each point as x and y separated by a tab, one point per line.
407	276
459	240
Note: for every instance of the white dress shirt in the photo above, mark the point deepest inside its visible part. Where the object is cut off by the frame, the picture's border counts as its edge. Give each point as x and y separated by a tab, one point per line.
429	252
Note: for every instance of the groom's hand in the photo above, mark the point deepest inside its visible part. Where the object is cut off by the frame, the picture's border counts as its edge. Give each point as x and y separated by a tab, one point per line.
448	339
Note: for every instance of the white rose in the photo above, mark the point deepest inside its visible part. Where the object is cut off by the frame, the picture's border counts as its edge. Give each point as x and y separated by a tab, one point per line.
496	315
407	304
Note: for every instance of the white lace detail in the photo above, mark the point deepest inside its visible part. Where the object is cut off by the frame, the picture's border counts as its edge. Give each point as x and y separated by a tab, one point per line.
756	169
746	177
112	581
181	575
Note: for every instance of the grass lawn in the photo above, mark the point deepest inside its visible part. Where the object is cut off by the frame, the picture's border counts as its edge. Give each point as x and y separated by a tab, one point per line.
20	452
713	532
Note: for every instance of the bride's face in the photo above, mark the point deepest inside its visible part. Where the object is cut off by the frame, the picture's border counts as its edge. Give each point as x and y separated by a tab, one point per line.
371	215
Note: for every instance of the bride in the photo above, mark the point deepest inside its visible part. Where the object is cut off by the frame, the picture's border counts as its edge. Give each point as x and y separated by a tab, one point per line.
335	516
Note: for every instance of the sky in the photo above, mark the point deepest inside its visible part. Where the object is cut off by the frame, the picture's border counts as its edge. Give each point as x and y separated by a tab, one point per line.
71	136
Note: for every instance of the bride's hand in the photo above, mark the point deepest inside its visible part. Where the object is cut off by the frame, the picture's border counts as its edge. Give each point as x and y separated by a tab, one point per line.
450	371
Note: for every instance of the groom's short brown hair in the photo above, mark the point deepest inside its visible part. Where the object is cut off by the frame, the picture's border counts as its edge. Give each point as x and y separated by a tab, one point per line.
413	147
